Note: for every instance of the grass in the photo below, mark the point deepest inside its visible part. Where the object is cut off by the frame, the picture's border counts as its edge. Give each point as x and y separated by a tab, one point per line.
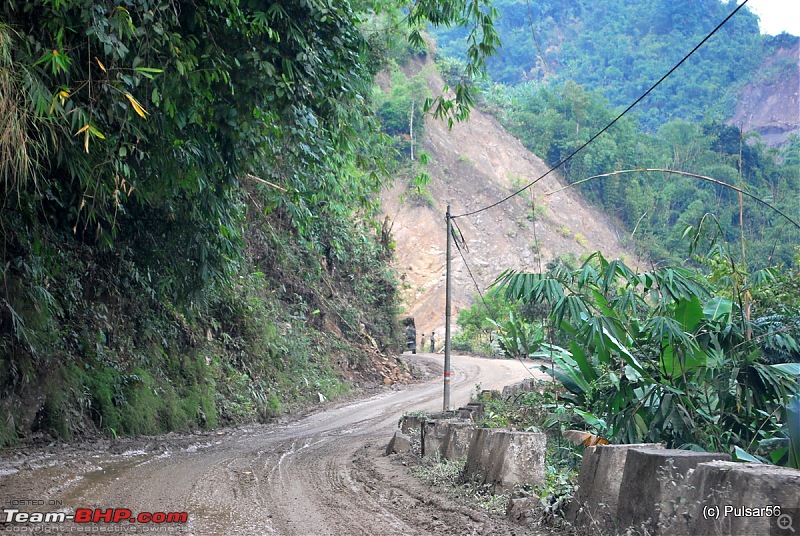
447	474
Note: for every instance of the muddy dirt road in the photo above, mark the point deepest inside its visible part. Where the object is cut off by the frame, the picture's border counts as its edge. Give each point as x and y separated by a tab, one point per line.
322	474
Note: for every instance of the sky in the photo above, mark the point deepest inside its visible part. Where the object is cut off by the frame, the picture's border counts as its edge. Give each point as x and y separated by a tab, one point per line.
777	15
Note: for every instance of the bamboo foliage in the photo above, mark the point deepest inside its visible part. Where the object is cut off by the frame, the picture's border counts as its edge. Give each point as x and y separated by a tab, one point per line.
660	356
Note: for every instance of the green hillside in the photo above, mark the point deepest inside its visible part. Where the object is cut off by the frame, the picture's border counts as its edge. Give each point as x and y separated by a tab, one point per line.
593	59
189	194
621	47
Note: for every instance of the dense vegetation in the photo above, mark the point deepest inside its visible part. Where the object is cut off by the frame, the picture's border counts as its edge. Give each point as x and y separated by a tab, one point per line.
621	47
655	206
188	201
705	362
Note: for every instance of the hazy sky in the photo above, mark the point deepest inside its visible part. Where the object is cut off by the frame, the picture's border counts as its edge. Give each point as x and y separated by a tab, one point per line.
777	15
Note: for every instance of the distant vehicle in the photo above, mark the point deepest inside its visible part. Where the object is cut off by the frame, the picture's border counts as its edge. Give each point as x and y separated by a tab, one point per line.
411	334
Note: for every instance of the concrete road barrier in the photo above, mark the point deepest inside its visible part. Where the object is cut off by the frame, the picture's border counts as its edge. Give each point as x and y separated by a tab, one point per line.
593	510
505	458
457	439
648	480
400	442
722	497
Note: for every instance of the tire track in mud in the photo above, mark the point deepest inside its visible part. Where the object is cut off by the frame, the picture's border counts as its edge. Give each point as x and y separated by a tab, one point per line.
324	474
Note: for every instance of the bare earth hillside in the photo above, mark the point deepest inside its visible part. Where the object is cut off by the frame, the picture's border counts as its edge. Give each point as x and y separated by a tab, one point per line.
770	104
474	165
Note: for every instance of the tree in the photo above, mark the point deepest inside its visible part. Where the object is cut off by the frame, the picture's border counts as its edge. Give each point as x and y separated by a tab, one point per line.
662	355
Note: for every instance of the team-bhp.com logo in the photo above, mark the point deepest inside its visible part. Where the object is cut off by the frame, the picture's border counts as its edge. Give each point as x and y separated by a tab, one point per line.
96	515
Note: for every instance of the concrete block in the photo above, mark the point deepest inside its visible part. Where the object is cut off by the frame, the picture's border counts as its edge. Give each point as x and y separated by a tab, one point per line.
465	414
400	442
411	424
505	459
493	394
457	439
477	409
434	433
646	482
594	508
441	415
512	391
733	498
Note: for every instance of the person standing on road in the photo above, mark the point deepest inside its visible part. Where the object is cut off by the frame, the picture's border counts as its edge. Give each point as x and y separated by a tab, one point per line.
423	342
433	341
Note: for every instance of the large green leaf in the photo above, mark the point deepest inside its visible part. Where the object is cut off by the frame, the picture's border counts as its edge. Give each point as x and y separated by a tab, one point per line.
625	354
592	420
718	309
788	368
740	455
674	366
689	313
793	424
567	371
579	356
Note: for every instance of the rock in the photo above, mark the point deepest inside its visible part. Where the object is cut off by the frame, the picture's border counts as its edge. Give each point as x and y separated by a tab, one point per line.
521	510
399	443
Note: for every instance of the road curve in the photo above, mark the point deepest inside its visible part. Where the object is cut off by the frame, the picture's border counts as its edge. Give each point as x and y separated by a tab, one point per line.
322	474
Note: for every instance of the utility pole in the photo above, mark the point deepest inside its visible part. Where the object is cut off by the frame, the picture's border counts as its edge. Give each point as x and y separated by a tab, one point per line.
411	130
447	316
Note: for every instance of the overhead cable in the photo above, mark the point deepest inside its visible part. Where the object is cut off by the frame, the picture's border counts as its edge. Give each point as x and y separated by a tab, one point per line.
608	126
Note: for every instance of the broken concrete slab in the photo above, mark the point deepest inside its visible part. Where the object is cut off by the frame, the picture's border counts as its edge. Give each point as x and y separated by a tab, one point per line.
399	443
722	497
594	508
647	481
504	458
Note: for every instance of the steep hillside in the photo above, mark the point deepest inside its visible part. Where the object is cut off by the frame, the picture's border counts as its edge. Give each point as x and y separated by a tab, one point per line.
473	165
770	103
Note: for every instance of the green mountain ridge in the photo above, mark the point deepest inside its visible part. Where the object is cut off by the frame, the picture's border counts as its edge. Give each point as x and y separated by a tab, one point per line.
619	48
591	60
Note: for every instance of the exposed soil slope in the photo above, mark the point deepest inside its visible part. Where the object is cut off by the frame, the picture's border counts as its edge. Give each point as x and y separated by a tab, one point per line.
770	104
474	165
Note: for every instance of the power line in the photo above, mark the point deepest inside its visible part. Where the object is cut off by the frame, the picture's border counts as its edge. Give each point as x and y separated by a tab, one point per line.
608	126
463	242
